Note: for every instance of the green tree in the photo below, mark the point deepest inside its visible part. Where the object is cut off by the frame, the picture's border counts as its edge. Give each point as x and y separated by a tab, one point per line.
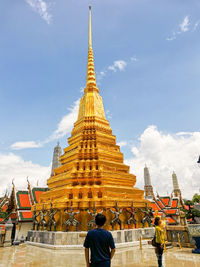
195	213
188	203
196	198
190	212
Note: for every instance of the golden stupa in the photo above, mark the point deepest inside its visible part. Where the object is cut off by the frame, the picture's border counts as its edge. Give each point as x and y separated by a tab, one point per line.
92	171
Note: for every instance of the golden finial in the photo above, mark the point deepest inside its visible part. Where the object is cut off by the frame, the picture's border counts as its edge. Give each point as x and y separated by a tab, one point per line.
91	79
90	27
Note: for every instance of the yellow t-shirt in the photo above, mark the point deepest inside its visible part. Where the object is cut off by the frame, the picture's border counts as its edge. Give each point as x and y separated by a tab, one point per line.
159	235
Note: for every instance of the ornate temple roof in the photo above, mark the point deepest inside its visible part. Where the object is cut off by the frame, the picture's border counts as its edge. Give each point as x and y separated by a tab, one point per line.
165	200
37	191
168	207
18	205
25	216
23	200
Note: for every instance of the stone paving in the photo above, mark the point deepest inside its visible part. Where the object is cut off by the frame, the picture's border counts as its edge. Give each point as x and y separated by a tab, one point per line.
132	257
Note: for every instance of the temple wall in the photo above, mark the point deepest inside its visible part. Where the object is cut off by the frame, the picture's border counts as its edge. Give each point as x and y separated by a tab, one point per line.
62	240
22	230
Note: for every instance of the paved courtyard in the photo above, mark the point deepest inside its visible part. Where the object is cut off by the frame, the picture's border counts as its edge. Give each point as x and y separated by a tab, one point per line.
33	256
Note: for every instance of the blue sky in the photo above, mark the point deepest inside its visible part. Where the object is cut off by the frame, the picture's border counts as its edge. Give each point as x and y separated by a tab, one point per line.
147	56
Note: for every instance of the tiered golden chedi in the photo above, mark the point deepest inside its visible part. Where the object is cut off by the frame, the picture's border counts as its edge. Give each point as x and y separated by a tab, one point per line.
92	168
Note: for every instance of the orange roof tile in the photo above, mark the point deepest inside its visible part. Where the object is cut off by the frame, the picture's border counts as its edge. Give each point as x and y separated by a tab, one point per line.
25	216
2	226
23	200
170	220
161	204
155	206
165	200
170	211
174	203
37	195
187	207
4	208
36	192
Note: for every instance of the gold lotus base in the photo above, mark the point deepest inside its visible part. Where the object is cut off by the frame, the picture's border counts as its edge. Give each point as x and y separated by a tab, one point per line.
101	205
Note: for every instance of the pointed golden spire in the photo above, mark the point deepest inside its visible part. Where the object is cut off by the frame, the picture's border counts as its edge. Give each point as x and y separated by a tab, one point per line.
91	104
91	79
90	27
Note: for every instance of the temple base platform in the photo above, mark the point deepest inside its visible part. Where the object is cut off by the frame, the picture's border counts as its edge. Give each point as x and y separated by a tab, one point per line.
184	232
75	240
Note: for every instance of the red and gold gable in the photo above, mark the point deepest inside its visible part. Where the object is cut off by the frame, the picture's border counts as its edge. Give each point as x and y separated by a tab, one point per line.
4	208
25	216
2	227
175	203
170	220
36	192
165	200
23	200
13	215
155	206
171	211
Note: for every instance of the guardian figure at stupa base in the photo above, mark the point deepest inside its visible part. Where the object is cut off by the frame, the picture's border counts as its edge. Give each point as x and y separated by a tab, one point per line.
92	167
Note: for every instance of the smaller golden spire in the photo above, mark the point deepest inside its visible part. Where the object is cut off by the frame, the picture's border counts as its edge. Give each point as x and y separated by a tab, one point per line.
91	79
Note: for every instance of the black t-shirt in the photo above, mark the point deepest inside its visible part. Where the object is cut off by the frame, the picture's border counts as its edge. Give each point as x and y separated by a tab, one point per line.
100	242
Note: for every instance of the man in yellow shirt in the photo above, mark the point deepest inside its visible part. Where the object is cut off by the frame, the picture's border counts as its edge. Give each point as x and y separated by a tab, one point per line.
159	240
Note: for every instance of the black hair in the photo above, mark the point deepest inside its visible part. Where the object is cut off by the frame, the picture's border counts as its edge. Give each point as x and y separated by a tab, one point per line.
156	222
100	219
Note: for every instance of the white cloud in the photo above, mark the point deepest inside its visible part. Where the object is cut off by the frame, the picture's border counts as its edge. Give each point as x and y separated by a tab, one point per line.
108	114
82	89
122	143
101	75
196	25
134	58
14	167
25	144
64	127
173	37
40	7
184	26
184	133
134	150
118	65
165	153
66	124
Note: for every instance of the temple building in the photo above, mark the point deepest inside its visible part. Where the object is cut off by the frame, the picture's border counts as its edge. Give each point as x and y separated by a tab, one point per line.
169	206
56	158
148	189
92	171
176	189
17	208
3	207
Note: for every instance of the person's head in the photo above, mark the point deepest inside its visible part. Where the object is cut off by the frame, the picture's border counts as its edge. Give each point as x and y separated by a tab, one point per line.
157	221
100	219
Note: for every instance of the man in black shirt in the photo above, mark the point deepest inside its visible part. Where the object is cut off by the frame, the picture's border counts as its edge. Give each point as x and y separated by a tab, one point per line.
101	245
